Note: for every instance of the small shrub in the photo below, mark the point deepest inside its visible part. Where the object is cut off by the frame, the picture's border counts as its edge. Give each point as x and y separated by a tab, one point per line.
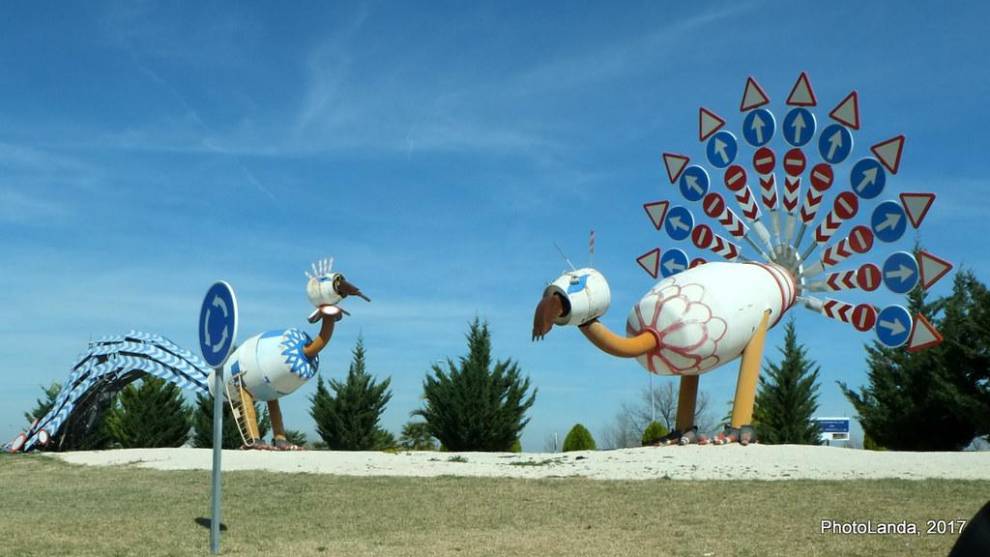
579	439
516	447
654	433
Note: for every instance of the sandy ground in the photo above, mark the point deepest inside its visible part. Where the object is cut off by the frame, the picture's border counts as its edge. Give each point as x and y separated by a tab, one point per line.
755	462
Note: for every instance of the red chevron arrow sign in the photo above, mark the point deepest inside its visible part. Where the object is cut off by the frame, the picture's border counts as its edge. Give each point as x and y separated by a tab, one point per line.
809	209
845	207
843	280
714	206
835	309
769	187
747	202
792	191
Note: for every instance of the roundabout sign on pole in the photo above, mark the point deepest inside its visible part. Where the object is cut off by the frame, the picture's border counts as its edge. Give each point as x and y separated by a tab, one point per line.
217	334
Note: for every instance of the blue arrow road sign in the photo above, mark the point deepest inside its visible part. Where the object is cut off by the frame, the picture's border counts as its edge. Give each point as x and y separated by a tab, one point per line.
721	149
867	178
799	127
900	272
218	323
694	183
893	326
673	261
889	221
834	144
679	223
758	127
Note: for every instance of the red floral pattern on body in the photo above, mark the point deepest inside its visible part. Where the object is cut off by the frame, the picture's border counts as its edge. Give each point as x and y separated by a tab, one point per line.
687	333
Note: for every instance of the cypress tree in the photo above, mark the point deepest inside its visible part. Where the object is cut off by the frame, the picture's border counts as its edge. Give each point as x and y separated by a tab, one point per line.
473	405
44	405
150	413
939	398
788	396
347	419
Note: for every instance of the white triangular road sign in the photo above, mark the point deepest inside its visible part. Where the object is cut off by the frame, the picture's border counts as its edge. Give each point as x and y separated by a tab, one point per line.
916	206
650	261
889	152
675	165
848	111
708	123
802	93
753	96
931	268
923	335
657	211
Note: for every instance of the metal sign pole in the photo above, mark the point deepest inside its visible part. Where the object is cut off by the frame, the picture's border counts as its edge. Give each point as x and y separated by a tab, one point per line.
218	397
217	334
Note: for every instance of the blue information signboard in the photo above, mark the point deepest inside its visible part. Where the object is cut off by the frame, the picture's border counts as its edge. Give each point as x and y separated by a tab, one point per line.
799	127
835	143
218	323
758	127
679	223
721	149
833	425
694	183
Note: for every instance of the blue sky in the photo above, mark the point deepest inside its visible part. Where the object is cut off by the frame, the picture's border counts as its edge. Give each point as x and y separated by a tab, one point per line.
147	150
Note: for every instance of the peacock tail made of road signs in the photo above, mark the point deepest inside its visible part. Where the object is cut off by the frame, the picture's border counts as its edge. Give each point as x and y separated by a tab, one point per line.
108	365
772	225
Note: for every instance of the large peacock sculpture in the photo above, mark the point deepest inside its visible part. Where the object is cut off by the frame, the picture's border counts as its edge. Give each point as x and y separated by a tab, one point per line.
265	367
703	315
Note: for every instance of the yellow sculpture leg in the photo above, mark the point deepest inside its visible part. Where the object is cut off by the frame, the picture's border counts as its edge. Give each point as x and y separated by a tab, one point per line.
749	373
687	397
250	415
275	414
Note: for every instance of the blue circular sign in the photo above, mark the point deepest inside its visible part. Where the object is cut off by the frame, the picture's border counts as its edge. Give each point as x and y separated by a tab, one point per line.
835	143
673	261
758	127
867	178
799	126
900	272
694	183
888	221
678	223
893	326
218	323
721	149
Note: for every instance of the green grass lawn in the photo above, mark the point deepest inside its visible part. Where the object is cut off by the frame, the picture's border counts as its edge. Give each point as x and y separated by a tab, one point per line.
51	508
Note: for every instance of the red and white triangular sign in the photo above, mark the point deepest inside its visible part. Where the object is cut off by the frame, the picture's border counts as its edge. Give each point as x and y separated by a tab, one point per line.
650	261
889	152
675	165
802	94
916	206
708	123
923	335
848	111
931	268
657	210
753	96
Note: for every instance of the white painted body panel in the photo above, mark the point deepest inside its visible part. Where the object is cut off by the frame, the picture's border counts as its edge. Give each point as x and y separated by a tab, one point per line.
704	317
270	365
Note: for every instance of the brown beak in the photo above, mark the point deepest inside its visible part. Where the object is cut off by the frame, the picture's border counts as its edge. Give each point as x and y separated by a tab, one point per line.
550	308
345	289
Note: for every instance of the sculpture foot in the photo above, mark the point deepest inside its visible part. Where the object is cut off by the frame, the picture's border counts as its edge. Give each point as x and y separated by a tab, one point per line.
744	435
284	445
692	437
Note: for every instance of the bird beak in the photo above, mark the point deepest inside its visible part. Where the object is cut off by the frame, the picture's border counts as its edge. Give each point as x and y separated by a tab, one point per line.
549	308
345	289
